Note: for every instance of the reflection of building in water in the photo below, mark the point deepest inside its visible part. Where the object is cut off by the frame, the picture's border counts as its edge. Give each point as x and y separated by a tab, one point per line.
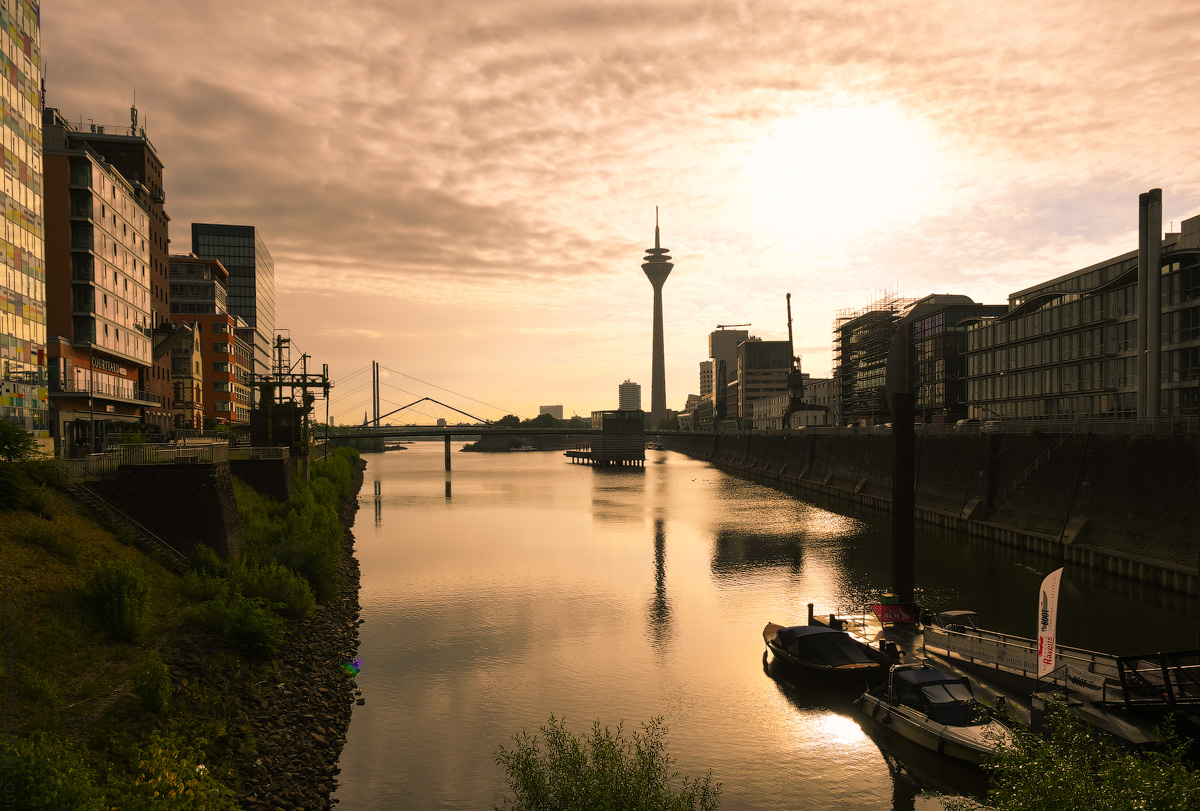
737	551
660	606
378	505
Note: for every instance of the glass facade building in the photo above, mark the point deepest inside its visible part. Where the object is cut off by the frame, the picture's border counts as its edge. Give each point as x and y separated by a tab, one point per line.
23	396
1068	349
240	248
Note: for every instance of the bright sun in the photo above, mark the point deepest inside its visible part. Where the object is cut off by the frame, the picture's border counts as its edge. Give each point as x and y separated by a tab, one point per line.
827	174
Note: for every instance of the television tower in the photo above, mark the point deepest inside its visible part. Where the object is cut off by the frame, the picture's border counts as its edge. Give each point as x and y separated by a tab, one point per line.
657	267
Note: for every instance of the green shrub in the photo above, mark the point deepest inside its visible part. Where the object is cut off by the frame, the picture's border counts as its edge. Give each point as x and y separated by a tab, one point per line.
152	683
1072	765
201	586
120	598
40	502
247	623
42	773
603	771
168	775
287	592
206	561
14	485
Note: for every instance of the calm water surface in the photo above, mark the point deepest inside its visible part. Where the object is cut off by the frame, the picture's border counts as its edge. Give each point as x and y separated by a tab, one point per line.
542	587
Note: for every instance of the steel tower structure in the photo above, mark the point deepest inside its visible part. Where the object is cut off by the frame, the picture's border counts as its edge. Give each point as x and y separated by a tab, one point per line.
657	267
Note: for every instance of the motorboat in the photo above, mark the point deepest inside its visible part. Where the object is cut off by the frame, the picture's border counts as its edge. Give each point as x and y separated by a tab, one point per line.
820	649
936	710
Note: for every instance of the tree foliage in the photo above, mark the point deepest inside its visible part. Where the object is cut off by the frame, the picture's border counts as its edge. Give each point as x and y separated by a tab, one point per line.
16	444
603	771
1073	765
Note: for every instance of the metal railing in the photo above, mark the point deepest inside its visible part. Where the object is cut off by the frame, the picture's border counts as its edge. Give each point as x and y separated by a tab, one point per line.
97	464
103	390
246	452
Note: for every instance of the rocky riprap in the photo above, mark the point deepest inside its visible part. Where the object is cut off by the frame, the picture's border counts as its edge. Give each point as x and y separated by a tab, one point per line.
300	719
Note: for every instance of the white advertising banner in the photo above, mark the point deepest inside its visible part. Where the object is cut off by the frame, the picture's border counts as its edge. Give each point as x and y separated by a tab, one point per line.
1047	622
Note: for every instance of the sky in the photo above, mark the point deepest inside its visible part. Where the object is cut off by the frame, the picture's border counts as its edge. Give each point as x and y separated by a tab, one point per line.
465	191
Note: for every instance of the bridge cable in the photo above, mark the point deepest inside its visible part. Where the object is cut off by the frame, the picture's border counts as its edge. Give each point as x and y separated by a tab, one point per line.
451	391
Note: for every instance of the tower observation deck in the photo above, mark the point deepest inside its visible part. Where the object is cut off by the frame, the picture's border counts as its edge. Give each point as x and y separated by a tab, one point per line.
657	267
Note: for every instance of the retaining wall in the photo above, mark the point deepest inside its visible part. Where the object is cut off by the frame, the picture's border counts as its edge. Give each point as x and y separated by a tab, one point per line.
1125	505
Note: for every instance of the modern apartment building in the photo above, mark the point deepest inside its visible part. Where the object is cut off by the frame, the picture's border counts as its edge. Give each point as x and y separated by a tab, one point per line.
629	396
1116	340
23	395
199	296
130	152
98	294
242	252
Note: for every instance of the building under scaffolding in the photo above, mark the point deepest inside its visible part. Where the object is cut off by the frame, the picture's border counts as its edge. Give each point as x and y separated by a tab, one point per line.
861	339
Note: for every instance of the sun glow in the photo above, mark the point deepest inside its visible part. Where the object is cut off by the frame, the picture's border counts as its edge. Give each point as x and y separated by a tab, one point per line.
827	174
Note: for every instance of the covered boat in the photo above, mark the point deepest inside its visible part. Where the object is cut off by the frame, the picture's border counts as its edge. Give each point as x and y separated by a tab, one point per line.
819	649
936	710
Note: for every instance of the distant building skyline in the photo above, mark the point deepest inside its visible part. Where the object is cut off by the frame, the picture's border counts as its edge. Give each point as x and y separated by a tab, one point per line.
555	411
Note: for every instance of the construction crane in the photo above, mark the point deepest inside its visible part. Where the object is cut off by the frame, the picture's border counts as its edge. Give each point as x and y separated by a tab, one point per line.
730	326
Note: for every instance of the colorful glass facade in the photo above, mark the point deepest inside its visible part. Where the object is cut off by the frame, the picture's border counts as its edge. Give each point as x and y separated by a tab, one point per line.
23	396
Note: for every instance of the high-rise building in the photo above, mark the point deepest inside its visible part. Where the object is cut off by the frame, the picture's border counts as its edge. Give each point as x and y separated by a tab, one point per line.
657	268
97	292
241	250
722	350
629	396
555	411
23	398
130	152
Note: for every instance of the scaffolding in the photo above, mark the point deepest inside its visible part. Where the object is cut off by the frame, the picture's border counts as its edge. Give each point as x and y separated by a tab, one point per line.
861	338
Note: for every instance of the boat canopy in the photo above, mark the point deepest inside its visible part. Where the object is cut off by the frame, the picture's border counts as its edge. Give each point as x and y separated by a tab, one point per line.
821	645
944	698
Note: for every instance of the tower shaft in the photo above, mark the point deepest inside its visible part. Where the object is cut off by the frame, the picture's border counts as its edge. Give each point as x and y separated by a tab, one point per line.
657	267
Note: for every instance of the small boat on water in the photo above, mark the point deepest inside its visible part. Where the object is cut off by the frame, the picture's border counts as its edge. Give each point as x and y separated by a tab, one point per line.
819	649
935	710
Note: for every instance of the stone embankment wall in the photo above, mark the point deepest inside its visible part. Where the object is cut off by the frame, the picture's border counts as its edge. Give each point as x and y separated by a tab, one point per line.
1123	504
182	504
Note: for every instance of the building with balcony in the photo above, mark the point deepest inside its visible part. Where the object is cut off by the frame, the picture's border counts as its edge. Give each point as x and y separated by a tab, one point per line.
23	394
180	344
129	150
199	296
1118	340
99	349
251	284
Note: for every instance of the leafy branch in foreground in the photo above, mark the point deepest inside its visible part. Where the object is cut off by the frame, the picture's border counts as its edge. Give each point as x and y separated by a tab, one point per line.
603	771
1074	766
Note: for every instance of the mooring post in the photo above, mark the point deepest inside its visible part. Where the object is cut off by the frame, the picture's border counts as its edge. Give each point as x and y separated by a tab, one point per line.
447	451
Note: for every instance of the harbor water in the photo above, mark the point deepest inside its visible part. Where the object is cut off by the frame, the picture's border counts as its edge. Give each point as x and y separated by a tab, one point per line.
520	586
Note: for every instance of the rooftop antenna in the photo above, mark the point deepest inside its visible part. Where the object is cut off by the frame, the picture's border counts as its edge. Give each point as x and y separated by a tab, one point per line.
133	111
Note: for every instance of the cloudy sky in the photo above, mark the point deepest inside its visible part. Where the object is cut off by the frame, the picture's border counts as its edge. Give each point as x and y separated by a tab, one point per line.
464	191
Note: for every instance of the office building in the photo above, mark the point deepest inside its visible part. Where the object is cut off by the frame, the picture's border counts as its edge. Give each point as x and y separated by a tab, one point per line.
1076	347
241	250
629	397
199	293
130	152
99	348
937	326
23	398
555	411
762	371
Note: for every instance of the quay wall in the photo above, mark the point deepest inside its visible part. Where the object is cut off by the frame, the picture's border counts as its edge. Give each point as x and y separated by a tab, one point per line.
1125	505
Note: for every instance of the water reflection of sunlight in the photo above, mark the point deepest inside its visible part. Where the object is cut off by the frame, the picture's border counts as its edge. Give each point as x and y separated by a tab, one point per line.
839	730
